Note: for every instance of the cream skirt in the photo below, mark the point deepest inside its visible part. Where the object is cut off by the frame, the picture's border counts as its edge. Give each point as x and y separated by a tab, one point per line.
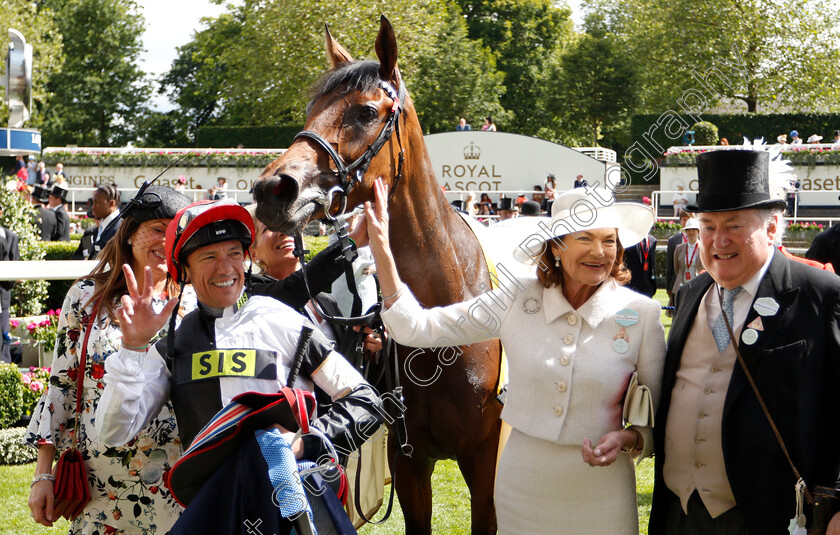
543	487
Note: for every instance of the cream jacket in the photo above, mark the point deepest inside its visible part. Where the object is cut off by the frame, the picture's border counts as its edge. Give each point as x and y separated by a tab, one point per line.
568	369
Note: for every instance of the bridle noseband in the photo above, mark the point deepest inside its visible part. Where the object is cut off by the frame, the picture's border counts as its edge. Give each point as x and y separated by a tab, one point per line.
350	175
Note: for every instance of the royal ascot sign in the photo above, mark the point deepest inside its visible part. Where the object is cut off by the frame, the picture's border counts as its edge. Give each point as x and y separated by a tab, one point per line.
497	161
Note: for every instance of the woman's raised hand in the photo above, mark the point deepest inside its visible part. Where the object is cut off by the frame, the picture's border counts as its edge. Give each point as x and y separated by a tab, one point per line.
376	217
139	322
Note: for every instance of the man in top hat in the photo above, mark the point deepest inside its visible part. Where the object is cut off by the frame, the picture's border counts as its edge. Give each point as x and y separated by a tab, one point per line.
507	208
44	218
57	198
529	209
719	466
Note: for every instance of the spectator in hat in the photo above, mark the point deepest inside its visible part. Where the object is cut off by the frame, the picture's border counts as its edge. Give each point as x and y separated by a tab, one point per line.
720	467
180	184
31	168
57	199
687	262
673	241
44	217
507	209
814	138
781	139
794	138
529	209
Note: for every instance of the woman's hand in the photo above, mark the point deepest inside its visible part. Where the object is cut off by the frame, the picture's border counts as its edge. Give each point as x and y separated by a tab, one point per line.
138	320
41	502
608	448
377	227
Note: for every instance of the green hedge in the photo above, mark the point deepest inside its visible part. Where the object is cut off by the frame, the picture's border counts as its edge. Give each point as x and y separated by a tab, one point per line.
735	126
11	396
57	289
257	137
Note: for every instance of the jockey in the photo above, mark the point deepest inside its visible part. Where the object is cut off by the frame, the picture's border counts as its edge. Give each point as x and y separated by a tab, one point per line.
201	368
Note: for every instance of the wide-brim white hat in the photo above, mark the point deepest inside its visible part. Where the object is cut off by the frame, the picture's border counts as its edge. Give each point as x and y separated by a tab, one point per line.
692	224
583	209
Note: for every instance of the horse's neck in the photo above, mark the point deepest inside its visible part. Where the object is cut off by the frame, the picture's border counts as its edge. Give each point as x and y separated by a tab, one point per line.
436	253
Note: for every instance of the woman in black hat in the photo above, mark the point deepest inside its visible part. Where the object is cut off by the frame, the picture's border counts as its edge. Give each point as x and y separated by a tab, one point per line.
127	483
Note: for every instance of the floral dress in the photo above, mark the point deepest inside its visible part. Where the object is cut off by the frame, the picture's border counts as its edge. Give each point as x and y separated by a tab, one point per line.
127	491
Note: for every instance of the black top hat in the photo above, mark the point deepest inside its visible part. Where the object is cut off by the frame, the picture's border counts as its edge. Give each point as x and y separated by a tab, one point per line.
506	203
41	193
531	208
156	202
59	191
734	180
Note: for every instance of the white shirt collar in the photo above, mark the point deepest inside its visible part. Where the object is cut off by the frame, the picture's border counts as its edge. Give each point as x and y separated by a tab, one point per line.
104	223
593	311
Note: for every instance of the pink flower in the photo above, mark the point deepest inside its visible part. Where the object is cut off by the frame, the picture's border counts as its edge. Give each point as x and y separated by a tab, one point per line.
14	323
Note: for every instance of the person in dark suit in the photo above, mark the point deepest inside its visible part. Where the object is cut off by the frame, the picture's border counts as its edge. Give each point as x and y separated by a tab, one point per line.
673	241
641	261
8	251
719	467
57	198
462	126
44	217
106	200
825	247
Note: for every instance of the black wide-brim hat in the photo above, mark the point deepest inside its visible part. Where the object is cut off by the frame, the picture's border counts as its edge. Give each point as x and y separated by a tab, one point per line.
223	434
156	202
734	180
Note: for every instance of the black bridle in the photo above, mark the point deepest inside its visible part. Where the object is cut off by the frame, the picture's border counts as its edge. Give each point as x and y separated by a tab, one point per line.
350	175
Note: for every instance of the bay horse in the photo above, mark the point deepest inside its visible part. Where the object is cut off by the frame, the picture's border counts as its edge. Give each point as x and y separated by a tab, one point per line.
450	394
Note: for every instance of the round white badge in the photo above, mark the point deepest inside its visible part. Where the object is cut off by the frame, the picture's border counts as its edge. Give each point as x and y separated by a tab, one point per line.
620	345
749	337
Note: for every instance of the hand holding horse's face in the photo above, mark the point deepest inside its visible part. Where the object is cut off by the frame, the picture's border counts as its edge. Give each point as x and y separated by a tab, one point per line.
376	216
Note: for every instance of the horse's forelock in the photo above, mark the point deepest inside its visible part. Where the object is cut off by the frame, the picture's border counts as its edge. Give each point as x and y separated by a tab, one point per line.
361	76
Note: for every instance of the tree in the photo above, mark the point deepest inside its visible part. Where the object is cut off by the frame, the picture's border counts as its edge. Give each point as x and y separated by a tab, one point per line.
217	80
101	91
594	85
40	30
763	54
525	36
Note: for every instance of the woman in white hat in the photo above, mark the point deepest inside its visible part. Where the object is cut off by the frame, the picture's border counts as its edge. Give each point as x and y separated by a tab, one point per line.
687	263
574	338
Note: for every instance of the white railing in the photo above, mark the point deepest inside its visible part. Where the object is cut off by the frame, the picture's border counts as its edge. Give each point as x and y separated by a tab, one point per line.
784	148
599	153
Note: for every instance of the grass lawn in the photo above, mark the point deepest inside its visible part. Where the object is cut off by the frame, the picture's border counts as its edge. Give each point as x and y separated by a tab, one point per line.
451	513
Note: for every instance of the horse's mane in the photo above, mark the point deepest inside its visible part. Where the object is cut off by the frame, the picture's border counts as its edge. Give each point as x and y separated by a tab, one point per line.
361	76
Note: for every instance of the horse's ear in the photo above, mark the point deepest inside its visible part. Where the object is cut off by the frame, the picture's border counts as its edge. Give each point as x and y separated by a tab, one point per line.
386	51
336	54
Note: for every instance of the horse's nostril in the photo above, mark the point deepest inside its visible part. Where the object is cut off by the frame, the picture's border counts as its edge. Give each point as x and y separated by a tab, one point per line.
284	190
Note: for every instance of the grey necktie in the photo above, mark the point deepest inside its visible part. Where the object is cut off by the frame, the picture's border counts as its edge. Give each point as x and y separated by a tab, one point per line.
719	330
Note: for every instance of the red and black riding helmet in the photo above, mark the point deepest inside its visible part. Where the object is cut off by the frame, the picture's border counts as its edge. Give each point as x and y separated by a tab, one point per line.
202	223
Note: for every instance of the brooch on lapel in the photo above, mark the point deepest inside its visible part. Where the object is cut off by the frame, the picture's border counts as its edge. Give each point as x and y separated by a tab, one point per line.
621	342
531	305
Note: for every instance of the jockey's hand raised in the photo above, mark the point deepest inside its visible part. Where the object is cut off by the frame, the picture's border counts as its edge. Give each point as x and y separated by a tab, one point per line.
138	320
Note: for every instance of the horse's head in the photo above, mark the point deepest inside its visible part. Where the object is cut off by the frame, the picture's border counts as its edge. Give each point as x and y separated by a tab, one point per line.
349	139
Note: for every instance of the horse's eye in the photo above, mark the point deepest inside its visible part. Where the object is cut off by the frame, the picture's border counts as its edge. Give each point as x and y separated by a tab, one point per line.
367	114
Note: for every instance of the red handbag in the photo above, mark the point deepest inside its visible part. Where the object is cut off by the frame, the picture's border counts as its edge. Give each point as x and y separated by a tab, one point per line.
71	489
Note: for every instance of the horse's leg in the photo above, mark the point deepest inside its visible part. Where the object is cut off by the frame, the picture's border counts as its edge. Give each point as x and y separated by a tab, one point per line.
478	467
414	488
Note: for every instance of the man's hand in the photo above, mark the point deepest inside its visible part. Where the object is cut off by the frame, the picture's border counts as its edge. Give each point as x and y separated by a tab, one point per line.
138	320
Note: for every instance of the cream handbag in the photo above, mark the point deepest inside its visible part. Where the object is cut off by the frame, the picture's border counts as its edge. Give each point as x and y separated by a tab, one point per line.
638	404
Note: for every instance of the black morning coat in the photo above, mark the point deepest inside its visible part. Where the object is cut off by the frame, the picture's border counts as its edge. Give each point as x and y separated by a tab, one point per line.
796	365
